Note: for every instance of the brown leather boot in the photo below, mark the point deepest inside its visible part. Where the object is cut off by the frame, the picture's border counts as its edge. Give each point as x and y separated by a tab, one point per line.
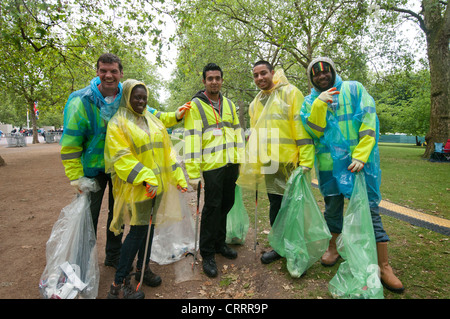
331	256
387	277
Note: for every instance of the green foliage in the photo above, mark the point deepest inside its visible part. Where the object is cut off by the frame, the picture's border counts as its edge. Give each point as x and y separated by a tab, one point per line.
403	102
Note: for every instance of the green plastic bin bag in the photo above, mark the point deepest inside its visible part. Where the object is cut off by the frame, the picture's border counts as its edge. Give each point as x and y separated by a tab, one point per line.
358	275
299	233
237	221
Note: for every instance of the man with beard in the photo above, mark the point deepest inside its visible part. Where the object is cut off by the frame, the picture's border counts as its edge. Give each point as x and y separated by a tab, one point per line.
341	118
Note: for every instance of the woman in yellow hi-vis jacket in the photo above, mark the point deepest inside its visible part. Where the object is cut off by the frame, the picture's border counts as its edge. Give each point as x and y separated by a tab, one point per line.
142	162
213	143
278	142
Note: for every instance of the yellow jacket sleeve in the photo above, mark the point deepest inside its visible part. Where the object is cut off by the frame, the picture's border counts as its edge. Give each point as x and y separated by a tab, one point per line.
317	120
169	119
193	142
304	141
367	131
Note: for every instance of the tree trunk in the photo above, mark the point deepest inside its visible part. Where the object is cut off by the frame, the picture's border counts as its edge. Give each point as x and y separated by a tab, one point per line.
438	56
33	122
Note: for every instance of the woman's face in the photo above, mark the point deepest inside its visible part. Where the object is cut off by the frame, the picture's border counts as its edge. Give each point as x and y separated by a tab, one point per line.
138	99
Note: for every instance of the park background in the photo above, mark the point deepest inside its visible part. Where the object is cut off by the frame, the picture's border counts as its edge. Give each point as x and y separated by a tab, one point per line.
398	49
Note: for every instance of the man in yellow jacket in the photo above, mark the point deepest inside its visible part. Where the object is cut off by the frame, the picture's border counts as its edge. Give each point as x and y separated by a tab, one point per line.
213	143
278	142
342	119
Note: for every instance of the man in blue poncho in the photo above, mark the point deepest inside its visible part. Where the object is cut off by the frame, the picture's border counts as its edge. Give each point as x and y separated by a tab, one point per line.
341	118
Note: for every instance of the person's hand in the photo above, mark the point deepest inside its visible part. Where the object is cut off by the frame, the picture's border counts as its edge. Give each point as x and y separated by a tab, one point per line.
151	190
327	96
194	183
355	166
179	113
76	184
182	189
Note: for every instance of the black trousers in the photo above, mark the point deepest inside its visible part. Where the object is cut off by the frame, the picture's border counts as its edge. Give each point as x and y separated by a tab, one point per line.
219	188
113	242
275	205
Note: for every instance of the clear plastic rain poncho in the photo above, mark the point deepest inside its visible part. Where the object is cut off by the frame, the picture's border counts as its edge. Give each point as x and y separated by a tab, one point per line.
138	149
358	275
278	142
351	109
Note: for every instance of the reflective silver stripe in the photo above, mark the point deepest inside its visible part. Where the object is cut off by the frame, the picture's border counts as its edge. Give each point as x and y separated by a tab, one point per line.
213	149
367	132
221	124
192	155
70	156
192	132
147	147
304	141
202	112
231	108
175	166
315	127
274	140
134	172
158	114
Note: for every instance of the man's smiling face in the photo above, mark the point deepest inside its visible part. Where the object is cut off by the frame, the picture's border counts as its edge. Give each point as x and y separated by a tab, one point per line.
263	77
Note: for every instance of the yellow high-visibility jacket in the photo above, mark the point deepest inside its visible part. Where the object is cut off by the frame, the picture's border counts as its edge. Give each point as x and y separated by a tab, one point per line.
137	150
278	140
212	140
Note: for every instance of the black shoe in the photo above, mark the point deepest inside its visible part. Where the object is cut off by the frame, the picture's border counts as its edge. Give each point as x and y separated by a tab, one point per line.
210	267
227	252
270	257
124	291
150	279
112	263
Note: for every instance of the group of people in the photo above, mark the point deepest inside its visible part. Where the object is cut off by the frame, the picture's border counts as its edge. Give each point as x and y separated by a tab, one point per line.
112	136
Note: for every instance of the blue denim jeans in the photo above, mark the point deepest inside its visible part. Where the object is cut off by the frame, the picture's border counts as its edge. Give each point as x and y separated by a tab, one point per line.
133	244
334	216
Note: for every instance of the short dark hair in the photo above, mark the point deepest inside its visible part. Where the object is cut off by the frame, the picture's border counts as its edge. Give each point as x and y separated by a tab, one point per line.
211	67
263	62
110	58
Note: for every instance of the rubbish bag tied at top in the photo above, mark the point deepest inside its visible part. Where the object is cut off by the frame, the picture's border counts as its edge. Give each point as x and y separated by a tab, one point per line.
72	263
358	274
237	221
299	232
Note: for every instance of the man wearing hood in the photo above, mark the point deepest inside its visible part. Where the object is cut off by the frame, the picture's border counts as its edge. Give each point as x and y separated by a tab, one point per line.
341	117
213	143
278	142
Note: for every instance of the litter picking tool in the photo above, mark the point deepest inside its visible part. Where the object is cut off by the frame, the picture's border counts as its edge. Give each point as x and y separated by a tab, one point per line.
150	225
256	220
199	187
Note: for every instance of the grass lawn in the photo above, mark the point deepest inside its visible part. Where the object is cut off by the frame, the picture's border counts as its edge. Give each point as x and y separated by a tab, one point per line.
411	181
419	257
